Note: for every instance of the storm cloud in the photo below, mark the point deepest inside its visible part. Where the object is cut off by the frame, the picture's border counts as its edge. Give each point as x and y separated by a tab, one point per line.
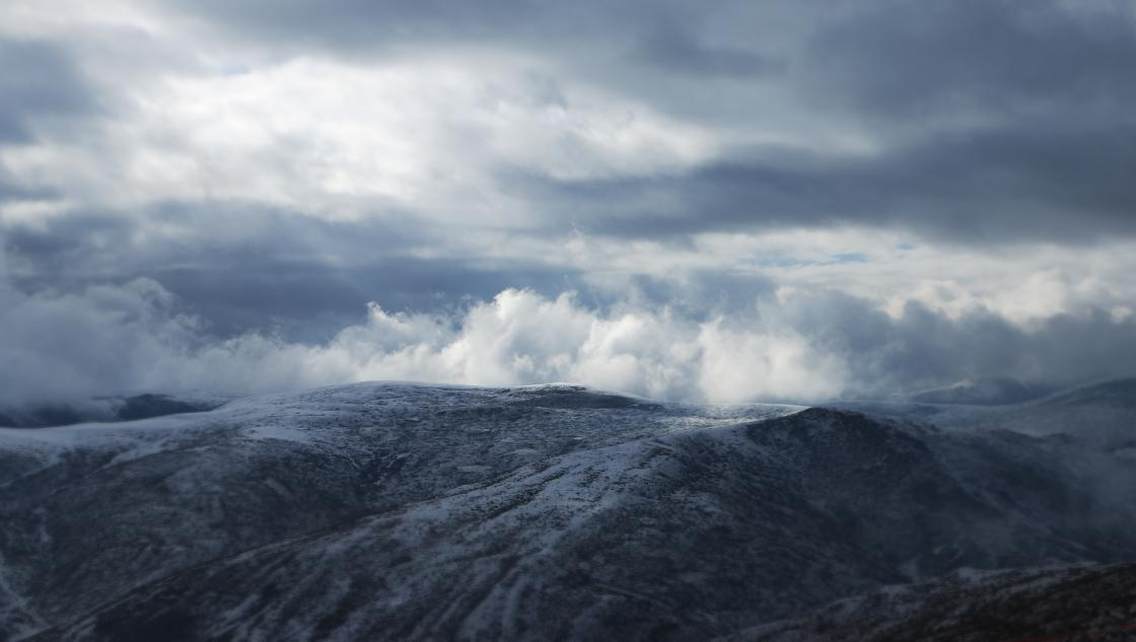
721	201
995	187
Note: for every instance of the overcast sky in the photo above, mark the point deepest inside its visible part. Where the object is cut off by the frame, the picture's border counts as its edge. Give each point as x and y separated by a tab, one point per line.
704	201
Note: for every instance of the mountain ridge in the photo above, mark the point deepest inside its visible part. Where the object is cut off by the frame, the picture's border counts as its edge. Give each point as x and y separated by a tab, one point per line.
392	511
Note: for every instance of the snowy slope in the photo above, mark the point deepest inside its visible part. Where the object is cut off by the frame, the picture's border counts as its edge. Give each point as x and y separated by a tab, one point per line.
396	511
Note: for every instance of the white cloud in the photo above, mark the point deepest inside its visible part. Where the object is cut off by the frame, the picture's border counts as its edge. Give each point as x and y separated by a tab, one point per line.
739	366
130	337
798	345
339	140
521	337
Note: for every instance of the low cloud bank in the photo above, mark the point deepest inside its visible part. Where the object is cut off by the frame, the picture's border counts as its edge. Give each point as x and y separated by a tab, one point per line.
803	346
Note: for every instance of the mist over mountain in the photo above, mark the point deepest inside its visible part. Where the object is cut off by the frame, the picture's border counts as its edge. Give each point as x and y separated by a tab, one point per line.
984	392
101	409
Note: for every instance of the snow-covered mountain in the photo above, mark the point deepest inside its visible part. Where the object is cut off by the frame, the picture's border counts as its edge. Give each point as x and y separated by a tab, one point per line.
398	511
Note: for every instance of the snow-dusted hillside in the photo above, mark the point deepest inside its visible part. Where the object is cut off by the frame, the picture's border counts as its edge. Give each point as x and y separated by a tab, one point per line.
397	511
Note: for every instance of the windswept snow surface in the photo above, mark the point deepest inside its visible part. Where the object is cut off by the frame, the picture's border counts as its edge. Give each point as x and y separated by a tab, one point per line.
402	511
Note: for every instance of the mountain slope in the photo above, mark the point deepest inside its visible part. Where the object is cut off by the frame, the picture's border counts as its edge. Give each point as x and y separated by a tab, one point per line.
1103	414
1043	605
385	511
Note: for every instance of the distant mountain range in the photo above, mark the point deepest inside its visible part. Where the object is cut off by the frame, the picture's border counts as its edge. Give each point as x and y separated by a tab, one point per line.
982	392
405	512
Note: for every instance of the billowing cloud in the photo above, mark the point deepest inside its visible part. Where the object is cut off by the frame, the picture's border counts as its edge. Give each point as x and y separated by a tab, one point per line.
791	347
131	337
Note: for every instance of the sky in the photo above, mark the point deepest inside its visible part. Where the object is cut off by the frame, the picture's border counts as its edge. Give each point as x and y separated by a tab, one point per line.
720	202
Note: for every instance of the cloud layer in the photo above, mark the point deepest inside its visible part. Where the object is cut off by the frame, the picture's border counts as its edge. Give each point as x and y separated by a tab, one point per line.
716	201
787	347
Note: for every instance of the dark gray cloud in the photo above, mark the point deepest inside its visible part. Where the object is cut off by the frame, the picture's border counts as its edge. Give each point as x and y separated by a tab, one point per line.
997	120
360	25
922	348
37	79
911	60
889	58
672	37
259	268
700	295
15	190
676	48
1066	182
311	300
